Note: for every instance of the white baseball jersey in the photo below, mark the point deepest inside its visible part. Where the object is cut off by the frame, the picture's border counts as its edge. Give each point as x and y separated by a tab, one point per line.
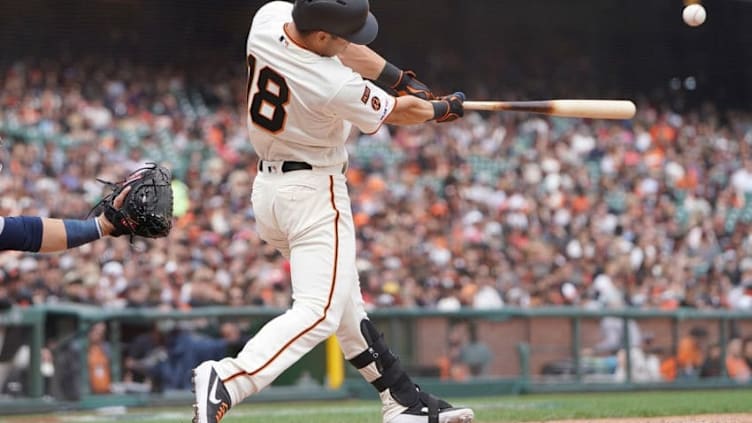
302	105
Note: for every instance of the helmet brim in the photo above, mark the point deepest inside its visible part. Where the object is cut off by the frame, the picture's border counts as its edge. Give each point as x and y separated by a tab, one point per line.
366	34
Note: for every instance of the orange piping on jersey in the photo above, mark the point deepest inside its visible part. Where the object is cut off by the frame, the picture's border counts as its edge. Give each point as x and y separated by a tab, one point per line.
328	301
385	118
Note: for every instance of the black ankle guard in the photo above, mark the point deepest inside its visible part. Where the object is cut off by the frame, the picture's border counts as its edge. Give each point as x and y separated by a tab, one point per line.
393	377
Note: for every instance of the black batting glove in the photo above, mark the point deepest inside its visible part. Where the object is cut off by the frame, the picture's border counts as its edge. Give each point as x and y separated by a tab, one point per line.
399	83
448	108
408	84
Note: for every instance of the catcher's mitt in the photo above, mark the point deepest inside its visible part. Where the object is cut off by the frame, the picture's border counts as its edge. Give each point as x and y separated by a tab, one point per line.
146	209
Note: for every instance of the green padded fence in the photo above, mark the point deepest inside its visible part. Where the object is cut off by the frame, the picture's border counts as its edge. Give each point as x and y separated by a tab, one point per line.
406	330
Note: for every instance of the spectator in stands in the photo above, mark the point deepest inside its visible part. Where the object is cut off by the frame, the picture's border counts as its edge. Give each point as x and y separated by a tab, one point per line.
140	356
14	361
748	352
645	367
486	296
667	367
185	349
98	360
690	353
467	356
736	365
712	366
15	355
475	354
612	332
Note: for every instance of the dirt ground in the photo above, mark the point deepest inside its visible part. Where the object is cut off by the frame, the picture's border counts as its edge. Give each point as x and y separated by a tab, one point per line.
705	418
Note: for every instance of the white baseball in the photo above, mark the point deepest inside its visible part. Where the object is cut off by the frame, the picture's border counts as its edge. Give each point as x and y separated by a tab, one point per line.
694	15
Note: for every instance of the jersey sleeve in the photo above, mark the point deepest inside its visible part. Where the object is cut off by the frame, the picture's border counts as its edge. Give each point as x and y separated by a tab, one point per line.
362	103
21	233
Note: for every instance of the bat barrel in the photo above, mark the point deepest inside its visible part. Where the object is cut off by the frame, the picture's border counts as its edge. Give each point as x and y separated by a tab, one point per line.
594	109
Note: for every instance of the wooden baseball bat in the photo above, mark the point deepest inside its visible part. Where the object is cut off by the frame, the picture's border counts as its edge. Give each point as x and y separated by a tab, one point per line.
594	109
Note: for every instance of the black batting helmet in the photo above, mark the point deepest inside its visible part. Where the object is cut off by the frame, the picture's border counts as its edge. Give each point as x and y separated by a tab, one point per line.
349	19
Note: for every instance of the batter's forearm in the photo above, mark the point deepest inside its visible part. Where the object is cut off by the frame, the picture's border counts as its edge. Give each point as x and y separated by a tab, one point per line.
410	110
363	60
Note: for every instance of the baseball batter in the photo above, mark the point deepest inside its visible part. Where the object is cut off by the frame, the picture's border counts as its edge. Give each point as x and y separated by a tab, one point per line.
309	73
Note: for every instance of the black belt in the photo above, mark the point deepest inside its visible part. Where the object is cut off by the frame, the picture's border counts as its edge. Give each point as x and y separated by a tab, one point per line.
286	166
289	166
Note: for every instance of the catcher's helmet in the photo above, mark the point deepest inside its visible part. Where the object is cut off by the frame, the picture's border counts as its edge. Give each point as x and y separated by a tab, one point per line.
349	19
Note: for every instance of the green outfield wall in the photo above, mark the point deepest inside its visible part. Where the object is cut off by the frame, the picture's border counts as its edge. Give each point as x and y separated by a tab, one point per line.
512	350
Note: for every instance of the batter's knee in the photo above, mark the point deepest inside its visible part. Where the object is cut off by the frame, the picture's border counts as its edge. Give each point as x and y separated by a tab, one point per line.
326	318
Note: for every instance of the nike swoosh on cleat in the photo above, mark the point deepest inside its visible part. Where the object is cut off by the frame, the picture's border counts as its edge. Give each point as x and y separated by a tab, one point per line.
213	392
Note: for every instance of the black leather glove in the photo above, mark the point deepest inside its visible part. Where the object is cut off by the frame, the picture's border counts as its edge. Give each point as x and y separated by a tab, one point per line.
408	84
449	108
401	83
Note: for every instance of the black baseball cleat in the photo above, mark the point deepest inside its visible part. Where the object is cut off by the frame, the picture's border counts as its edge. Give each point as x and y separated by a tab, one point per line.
212	398
428	409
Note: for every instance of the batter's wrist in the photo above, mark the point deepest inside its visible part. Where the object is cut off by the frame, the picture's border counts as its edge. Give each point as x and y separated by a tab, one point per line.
440	109
390	76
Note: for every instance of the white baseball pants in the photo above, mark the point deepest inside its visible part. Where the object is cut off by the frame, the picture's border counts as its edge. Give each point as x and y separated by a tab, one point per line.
306	214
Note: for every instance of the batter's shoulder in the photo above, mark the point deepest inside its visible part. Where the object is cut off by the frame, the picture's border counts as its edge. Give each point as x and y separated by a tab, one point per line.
335	76
274	10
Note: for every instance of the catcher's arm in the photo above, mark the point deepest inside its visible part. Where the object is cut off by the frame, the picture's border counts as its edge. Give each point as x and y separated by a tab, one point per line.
46	235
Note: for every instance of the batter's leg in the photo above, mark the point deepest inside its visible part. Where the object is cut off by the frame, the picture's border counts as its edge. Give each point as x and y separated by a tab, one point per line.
323	274
402	400
314	316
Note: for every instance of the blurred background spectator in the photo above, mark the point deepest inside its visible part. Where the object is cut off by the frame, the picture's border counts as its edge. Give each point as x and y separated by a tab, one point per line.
98	360
748	351
691	352
712	366
161	359
736	365
467	357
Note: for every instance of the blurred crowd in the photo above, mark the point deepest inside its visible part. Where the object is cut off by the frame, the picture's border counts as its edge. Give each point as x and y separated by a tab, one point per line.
493	210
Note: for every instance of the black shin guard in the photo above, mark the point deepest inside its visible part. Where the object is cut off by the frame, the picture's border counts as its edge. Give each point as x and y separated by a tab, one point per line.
393	377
